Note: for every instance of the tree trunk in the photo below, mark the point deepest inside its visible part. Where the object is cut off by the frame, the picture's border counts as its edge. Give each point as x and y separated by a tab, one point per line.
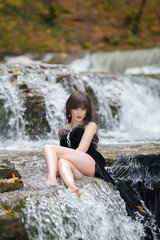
135	28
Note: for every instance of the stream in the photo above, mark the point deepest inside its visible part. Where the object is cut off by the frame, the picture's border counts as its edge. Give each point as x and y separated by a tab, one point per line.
126	102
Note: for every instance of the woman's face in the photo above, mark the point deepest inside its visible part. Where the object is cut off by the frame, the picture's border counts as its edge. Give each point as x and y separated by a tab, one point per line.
78	115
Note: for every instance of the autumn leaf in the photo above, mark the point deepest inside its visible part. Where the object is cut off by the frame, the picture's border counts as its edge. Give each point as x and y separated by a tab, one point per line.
141	208
20	179
15	73
10	212
13	176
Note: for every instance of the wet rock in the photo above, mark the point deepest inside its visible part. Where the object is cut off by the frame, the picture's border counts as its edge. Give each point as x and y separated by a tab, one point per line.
10	184
7	169
14	77
35	110
10	178
35	115
11	226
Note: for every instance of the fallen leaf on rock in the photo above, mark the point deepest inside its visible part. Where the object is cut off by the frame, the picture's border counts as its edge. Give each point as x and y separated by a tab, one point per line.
13	176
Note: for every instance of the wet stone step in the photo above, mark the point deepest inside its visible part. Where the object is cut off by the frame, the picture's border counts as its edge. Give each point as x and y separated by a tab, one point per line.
7	169
10	179
11	184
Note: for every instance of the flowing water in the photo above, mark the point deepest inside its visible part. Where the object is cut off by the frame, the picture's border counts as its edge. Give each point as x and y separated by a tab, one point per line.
58	214
128	116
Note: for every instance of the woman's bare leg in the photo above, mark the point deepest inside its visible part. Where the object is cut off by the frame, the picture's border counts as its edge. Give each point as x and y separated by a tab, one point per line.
68	173
51	162
80	160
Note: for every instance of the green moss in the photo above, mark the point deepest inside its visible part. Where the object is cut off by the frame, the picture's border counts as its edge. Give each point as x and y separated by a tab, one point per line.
19	206
87	45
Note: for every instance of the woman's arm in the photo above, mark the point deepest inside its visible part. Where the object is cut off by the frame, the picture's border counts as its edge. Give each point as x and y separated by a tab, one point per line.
87	137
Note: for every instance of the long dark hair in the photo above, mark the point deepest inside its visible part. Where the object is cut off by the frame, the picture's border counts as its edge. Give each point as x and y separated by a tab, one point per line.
76	100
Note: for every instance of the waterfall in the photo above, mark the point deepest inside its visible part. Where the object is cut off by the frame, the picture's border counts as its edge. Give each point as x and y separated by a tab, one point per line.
33	101
118	61
12	124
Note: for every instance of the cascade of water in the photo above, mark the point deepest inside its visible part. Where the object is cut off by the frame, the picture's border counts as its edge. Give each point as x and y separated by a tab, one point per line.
140	114
127	108
118	61
55	86
135	101
98	214
11	100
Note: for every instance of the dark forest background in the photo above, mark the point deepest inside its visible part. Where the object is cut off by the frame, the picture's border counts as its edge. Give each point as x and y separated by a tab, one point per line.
40	26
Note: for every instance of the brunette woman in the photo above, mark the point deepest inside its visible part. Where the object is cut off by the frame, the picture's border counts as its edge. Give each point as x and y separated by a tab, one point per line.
77	156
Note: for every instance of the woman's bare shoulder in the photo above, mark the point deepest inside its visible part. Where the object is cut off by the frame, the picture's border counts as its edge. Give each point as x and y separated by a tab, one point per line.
92	126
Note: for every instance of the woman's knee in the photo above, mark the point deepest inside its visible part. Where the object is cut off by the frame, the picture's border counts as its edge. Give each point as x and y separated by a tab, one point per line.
48	147
45	147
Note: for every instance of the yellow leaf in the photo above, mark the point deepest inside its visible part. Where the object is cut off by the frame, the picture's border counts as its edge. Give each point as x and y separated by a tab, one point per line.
15	73
9	211
13	176
141	208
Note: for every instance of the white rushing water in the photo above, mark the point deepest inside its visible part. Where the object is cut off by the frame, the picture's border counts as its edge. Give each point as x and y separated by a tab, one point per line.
13	106
127	107
140	112
120	61
98	214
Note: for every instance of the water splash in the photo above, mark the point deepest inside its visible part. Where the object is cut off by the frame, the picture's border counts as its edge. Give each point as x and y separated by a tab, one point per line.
98	214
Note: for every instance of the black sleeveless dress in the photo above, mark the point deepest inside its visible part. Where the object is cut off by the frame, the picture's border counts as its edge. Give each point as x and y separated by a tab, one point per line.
75	136
137	178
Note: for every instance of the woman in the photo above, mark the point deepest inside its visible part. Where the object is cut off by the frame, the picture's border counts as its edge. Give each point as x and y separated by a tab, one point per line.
77	156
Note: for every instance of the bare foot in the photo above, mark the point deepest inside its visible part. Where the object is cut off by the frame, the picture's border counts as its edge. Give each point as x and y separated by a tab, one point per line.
76	190
51	182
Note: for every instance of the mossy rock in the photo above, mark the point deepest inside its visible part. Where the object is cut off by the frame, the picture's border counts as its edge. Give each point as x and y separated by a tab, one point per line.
35	115
68	81
11	184
10	178
11	226
7	169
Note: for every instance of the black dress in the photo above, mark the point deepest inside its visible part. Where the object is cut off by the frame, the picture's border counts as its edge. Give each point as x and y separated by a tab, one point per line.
75	136
137	178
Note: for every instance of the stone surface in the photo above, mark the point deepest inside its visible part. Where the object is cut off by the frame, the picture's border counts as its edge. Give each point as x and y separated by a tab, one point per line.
11	226
7	169
10	178
10	184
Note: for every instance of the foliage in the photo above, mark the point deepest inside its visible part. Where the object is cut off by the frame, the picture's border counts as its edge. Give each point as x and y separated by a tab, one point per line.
87	45
60	25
